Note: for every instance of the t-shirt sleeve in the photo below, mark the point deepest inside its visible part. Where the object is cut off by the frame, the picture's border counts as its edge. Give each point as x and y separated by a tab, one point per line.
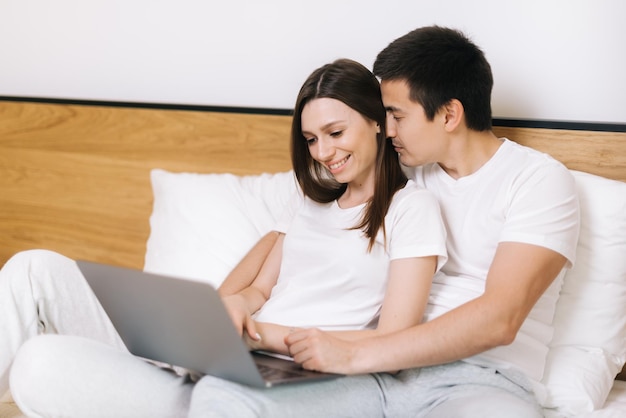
543	210
415	227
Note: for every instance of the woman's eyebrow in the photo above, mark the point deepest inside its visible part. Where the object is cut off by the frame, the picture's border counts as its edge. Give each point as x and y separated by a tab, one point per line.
326	125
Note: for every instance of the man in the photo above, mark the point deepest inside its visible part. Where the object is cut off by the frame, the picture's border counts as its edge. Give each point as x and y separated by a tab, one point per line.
512	219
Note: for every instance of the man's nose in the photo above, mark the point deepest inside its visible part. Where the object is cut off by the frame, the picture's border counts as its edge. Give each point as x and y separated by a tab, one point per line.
391	127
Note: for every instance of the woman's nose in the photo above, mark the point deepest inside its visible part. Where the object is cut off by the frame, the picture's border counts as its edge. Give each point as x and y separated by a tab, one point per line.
325	149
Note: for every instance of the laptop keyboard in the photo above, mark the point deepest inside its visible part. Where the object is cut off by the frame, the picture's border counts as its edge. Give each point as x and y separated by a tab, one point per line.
273	373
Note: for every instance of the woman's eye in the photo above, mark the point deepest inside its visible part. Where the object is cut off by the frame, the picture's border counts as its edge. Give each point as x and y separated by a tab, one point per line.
336	134
310	141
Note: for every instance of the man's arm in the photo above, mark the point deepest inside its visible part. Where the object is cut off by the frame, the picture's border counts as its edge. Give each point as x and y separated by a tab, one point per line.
518	276
248	268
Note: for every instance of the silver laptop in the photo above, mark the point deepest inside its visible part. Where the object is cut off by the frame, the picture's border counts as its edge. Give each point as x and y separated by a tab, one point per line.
184	323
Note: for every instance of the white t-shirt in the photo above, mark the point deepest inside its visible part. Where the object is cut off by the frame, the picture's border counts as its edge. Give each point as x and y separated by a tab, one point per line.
519	195
328	279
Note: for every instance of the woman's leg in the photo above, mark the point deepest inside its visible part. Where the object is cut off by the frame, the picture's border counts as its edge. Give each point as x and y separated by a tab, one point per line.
45	292
67	376
352	396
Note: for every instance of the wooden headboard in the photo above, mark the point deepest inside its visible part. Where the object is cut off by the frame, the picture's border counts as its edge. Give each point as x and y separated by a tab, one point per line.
75	178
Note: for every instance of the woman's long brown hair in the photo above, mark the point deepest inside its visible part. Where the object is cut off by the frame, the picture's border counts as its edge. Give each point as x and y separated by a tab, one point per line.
353	84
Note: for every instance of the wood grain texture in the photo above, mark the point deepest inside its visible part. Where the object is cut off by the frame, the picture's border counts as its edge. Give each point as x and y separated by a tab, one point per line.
76	179
601	153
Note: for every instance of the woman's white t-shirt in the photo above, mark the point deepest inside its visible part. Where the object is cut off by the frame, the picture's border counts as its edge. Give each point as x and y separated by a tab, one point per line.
328	279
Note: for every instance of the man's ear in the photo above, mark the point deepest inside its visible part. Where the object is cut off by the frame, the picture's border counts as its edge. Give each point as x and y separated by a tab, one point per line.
454	114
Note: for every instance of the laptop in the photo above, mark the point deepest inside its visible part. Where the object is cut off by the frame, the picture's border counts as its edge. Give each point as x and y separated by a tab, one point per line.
184	323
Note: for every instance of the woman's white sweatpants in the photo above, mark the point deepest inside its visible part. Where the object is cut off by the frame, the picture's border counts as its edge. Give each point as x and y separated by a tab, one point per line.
42	292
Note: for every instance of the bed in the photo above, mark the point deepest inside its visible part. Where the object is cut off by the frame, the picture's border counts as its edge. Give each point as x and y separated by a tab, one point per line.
146	187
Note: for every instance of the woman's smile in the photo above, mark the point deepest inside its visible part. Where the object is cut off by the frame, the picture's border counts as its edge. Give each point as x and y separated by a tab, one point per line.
338	164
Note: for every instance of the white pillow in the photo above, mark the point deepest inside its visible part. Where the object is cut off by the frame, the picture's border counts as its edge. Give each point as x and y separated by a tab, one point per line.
203	224
589	344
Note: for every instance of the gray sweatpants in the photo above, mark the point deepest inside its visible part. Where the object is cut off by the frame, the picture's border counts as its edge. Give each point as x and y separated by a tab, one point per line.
453	390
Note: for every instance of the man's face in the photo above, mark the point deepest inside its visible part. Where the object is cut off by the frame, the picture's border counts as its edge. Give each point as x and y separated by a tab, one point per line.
416	139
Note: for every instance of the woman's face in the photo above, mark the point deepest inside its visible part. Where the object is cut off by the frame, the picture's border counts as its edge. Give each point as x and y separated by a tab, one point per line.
342	140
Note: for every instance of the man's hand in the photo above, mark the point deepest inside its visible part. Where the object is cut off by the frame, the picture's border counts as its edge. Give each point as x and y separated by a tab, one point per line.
317	350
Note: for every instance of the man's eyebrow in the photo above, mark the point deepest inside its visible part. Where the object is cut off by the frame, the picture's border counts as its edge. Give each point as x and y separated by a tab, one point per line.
391	109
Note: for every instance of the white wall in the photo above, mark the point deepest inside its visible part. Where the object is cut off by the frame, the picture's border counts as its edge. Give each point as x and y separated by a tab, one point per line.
552	59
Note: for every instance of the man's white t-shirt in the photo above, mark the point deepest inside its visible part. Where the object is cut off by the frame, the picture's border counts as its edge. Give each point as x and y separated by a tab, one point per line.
327	277
519	195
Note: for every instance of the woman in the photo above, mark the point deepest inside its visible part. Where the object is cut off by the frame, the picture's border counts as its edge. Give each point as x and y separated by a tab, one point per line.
378	239
355	256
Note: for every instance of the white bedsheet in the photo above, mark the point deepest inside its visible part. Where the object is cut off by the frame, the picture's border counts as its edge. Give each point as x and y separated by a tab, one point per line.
615	406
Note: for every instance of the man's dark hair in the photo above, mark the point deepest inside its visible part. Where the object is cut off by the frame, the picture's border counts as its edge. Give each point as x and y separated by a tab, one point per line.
440	64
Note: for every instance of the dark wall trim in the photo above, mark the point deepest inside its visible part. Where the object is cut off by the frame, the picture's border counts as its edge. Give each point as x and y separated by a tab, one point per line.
567	125
164	106
517	123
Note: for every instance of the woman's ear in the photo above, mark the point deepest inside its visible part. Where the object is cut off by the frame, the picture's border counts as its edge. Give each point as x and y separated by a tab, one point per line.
454	114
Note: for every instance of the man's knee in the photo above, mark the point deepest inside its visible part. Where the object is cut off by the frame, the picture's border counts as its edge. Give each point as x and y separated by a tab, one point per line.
505	404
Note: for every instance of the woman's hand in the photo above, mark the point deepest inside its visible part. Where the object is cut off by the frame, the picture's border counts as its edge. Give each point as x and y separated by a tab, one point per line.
271	338
317	350
240	315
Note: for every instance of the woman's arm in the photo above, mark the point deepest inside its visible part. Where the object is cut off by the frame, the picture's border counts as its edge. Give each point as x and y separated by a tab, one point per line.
406	297
248	268
247	301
